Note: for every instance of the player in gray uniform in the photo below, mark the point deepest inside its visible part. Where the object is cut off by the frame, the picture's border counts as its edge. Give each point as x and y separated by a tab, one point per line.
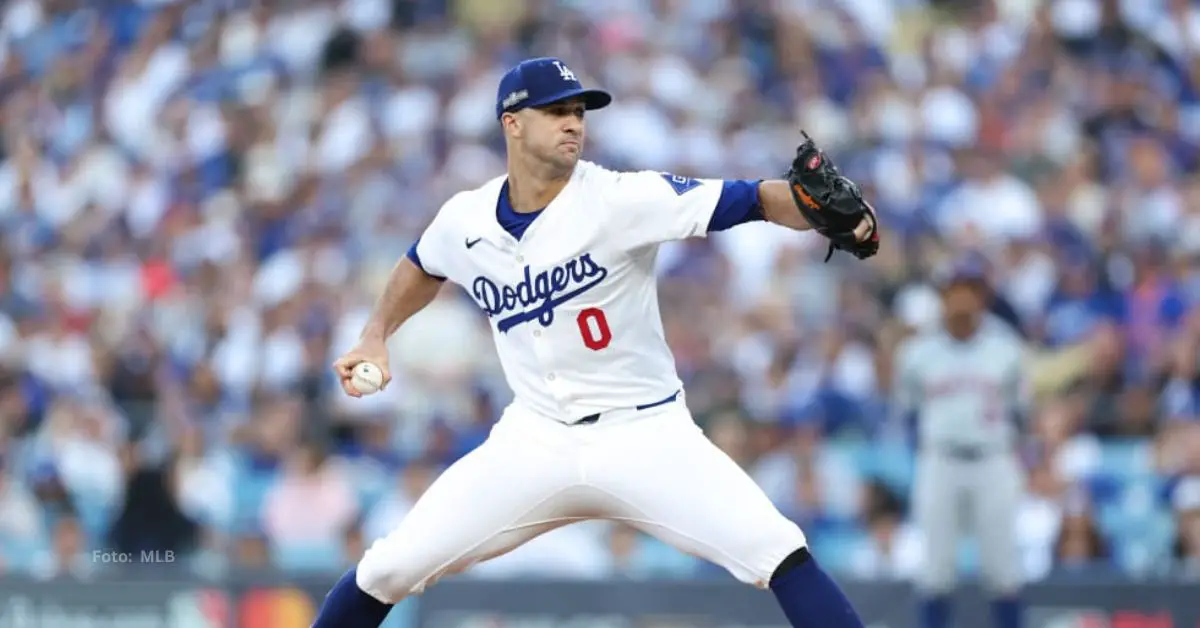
964	381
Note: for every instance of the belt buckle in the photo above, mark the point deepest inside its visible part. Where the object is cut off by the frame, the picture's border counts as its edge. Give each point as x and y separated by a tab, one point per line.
966	453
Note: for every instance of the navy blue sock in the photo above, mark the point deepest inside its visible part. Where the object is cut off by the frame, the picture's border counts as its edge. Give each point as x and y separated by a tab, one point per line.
935	612
809	597
347	606
1006	612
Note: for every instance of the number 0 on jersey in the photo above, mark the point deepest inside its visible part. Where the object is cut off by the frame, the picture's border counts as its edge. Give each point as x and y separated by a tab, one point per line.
593	326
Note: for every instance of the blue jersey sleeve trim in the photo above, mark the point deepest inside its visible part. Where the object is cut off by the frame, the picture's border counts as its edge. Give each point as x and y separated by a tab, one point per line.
416	259
738	204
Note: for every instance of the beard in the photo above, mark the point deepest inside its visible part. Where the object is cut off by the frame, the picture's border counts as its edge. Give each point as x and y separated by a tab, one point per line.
963	322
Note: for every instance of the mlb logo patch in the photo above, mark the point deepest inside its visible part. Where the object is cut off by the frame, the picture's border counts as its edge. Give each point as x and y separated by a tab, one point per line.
680	184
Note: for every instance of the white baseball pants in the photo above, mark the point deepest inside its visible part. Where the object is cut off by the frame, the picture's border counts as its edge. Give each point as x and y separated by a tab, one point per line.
653	469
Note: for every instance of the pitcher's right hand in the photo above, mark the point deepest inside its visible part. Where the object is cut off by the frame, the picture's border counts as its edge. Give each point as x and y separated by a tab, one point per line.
374	352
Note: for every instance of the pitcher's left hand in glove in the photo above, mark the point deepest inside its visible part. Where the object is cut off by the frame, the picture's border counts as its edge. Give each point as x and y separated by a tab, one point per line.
832	204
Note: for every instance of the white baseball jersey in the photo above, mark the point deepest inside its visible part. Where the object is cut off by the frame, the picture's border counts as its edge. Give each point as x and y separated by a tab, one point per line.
573	304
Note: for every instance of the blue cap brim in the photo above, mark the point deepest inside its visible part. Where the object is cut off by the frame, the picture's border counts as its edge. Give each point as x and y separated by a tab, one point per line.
964	279
592	99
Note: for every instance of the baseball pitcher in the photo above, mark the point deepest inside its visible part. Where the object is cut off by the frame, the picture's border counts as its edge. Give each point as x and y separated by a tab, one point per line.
965	383
559	255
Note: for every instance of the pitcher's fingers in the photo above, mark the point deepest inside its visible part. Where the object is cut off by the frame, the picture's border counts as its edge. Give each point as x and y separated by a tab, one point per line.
869	224
344	367
863	230
348	388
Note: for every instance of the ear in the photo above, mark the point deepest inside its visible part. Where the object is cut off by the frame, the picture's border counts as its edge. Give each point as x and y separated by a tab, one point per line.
511	122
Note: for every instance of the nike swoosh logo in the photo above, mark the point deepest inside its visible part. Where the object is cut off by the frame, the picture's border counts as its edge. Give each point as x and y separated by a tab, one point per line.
471	243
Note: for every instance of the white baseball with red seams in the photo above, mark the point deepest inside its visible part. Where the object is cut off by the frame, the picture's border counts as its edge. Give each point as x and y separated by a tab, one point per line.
367	378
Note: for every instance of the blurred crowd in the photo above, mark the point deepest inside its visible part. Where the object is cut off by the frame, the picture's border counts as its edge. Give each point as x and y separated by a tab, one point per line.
200	200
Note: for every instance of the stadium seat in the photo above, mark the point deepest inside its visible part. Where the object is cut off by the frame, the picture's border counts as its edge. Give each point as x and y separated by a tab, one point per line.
252	487
309	557
20	555
95	515
1127	458
892	463
836	546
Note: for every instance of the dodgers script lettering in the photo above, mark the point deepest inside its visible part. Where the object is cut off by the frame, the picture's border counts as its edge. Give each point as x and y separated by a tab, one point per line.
536	296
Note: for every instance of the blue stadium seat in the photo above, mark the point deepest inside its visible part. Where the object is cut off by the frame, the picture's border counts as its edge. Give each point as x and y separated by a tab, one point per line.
890	462
19	555
1141	496
849	451
1142	552
309	557
1105	488
894	463
1127	458
95	515
1111	518
655	559
371	482
835	547
251	489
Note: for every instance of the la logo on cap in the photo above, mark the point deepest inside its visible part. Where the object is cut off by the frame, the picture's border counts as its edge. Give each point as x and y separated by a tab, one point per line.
565	72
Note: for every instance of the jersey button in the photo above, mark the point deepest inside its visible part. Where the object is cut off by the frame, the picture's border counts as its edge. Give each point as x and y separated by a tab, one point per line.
520	259
550	377
537	333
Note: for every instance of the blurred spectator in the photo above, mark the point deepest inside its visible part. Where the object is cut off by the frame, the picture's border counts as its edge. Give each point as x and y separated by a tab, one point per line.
1186	548
203	480
150	519
68	555
252	551
635	556
311	502
1074	454
20	518
894	548
729	433
1040	520
353	545
387	513
1079	547
571	552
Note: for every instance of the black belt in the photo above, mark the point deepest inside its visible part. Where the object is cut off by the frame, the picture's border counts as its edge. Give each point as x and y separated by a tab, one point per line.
592	418
965	453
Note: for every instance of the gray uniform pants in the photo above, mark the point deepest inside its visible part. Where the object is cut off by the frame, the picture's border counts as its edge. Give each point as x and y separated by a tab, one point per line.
962	493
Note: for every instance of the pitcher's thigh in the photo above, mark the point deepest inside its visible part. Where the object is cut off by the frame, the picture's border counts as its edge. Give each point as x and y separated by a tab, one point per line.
677	486
486	504
998	497
935	505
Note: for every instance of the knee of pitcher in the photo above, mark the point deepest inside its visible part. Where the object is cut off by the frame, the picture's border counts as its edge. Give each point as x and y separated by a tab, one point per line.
385	580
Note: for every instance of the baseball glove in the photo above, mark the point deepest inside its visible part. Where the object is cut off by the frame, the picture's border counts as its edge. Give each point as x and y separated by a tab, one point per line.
832	204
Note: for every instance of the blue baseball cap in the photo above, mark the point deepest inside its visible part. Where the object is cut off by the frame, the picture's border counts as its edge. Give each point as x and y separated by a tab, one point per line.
542	81
969	269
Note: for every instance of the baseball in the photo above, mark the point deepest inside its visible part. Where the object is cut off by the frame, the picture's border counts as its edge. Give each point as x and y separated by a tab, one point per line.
366	378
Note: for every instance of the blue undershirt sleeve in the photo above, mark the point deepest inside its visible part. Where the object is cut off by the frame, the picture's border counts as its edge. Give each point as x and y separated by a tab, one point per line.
416	259
738	204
